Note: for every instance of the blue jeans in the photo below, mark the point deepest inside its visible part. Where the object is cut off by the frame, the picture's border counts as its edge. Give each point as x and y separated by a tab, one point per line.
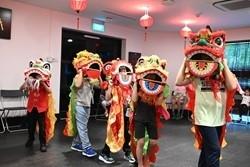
82	116
211	149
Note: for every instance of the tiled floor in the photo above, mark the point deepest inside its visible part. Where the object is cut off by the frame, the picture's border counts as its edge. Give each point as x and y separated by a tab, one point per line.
176	144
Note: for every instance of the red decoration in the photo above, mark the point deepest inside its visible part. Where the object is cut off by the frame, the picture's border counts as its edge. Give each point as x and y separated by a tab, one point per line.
146	21
78	5
185	32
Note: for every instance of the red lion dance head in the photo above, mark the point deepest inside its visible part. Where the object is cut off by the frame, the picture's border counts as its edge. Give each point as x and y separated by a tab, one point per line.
205	54
119	72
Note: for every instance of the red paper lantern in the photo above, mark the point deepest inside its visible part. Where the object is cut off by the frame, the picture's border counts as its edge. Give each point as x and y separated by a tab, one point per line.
78	5
146	21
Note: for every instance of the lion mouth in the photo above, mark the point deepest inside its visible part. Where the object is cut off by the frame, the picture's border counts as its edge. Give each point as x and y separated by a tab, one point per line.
152	82
93	69
153	77
36	74
202	63
125	79
95	66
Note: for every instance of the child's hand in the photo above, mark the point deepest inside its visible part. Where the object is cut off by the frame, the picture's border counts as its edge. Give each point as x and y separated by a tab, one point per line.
106	113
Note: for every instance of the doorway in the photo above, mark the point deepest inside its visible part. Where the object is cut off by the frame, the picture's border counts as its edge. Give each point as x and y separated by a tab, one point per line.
73	41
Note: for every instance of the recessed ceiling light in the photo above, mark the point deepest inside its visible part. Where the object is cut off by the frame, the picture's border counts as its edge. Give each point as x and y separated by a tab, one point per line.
70	40
92	37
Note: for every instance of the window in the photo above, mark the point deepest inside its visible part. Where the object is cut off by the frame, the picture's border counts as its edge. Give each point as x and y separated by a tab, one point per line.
238	56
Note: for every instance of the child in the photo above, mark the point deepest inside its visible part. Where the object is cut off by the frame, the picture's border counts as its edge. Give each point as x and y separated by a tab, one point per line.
37	108
123	100
145	118
84	94
245	103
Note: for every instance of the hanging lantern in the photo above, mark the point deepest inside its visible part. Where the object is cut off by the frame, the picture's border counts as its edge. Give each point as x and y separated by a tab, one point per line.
185	32
146	21
78	6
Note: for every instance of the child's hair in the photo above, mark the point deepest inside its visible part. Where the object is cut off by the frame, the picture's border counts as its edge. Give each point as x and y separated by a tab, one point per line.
248	90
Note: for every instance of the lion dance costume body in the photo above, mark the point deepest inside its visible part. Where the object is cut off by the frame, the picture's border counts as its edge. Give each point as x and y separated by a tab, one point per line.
39	70
204	60
152	77
119	75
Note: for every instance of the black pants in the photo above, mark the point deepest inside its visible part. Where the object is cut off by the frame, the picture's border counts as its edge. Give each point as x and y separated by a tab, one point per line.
33	117
210	151
243	109
126	147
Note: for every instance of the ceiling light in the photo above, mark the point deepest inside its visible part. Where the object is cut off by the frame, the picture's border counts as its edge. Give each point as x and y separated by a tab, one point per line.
91	36
69	40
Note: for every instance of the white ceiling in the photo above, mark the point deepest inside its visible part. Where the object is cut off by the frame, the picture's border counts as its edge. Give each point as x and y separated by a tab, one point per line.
167	17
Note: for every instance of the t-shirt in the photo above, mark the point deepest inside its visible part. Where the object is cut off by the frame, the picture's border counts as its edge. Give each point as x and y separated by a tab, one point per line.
209	111
145	112
84	94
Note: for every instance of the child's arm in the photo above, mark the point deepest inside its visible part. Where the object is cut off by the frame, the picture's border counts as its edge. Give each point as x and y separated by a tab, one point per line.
108	93
160	100
47	88
78	79
230	79
134	96
23	86
181	80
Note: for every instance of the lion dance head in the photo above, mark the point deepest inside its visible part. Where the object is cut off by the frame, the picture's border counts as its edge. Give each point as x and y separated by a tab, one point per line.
205	54
119	72
151	74
90	64
37	71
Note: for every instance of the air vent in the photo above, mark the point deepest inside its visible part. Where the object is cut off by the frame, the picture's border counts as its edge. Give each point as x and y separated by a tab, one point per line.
112	14
168	2
232	5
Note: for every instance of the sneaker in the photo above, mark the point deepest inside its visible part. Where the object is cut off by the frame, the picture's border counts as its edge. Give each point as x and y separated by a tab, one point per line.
77	147
89	152
129	157
43	148
107	159
29	143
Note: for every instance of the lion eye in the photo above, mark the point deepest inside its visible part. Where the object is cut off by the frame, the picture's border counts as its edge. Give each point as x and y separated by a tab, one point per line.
46	66
141	61
218	42
31	64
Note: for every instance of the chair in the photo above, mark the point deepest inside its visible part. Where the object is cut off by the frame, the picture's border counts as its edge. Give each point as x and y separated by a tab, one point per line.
245	118
13	104
1	118
178	105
